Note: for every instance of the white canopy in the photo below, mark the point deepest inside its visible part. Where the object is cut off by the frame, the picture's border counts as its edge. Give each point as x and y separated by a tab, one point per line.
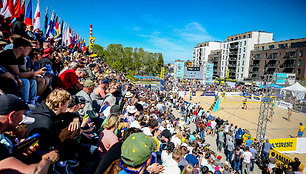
296	90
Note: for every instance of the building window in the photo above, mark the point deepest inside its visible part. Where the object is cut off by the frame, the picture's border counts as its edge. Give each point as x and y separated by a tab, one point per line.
227	46
238	70
239	50
263	47
271	47
232	39
257	56
241	75
301	53
245	42
239	57
242	68
242	64
243	36
249	35
238	63
299	71
243	56
243	49
300	62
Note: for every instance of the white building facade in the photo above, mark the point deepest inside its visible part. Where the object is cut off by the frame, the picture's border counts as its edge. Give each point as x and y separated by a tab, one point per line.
235	59
201	52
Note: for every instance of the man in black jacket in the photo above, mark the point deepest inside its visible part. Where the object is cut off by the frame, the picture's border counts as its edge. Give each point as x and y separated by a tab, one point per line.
45	115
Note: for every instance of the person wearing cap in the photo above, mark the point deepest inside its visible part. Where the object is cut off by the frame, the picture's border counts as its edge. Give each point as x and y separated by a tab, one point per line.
136	153
85	92
11	114
301	130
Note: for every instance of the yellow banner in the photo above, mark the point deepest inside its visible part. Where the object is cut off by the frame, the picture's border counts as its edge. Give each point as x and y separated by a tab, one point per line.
246	137
283	159
283	144
162	73
91	42
227	73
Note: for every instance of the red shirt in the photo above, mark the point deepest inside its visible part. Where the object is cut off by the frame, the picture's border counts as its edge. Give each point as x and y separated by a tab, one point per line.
67	79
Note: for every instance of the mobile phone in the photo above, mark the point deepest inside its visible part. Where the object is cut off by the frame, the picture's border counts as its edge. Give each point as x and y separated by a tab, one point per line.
45	69
32	140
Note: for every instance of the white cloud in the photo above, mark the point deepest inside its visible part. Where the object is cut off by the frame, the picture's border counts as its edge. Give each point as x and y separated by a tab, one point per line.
177	43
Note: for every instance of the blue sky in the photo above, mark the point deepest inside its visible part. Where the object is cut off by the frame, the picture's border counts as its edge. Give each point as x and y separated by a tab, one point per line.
175	27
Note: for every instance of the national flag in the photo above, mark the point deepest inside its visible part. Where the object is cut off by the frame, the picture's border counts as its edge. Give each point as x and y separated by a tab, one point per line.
7	10
28	15
84	45
16	9
69	38
37	21
22	9
56	28
51	32
46	20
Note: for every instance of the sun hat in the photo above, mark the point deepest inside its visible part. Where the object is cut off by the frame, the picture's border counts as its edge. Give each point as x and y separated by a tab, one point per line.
131	109
128	94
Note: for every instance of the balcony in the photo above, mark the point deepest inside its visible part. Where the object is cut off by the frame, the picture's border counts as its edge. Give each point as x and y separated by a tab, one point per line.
232	59
288	66
255	65
270	65
234	47
231	65
291	56
233	53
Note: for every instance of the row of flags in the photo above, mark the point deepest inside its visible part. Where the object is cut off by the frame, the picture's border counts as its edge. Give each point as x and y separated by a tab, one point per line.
55	28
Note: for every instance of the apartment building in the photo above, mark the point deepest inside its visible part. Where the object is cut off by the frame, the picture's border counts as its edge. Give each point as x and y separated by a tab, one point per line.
236	52
201	52
215	58
278	57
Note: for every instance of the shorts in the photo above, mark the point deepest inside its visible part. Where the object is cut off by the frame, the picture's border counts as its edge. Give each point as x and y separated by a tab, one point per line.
300	134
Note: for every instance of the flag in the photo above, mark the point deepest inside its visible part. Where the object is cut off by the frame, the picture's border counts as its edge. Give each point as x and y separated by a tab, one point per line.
56	28
1	5
8	8
46	20
16	9
22	9
28	15
37	21
51	32
84	46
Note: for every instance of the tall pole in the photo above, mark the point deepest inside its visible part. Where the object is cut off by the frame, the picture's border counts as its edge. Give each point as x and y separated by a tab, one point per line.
90	30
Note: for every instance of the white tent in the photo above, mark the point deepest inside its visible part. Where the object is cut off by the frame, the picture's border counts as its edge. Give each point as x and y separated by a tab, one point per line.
296	90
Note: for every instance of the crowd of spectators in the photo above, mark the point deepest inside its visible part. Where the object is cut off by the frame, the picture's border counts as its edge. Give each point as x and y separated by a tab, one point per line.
62	111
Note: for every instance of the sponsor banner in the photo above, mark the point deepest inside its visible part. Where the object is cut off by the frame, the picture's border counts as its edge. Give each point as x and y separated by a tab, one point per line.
283	104
193	73
233	93
209	73
180	69
283	159
284	144
281	78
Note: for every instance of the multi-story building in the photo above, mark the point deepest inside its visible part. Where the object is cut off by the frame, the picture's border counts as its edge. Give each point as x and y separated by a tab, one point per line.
236	52
215	58
278	57
201	52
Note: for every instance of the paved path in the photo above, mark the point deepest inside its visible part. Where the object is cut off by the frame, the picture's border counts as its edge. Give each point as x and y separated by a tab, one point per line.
212	141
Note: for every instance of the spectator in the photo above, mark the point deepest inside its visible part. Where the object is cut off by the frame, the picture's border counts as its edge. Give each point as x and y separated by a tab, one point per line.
246	163
136	153
171	164
68	80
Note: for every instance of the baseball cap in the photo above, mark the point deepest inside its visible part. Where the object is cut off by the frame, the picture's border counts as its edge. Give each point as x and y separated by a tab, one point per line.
27	120
137	148
89	83
105	81
115	109
11	103
301	123
74	101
